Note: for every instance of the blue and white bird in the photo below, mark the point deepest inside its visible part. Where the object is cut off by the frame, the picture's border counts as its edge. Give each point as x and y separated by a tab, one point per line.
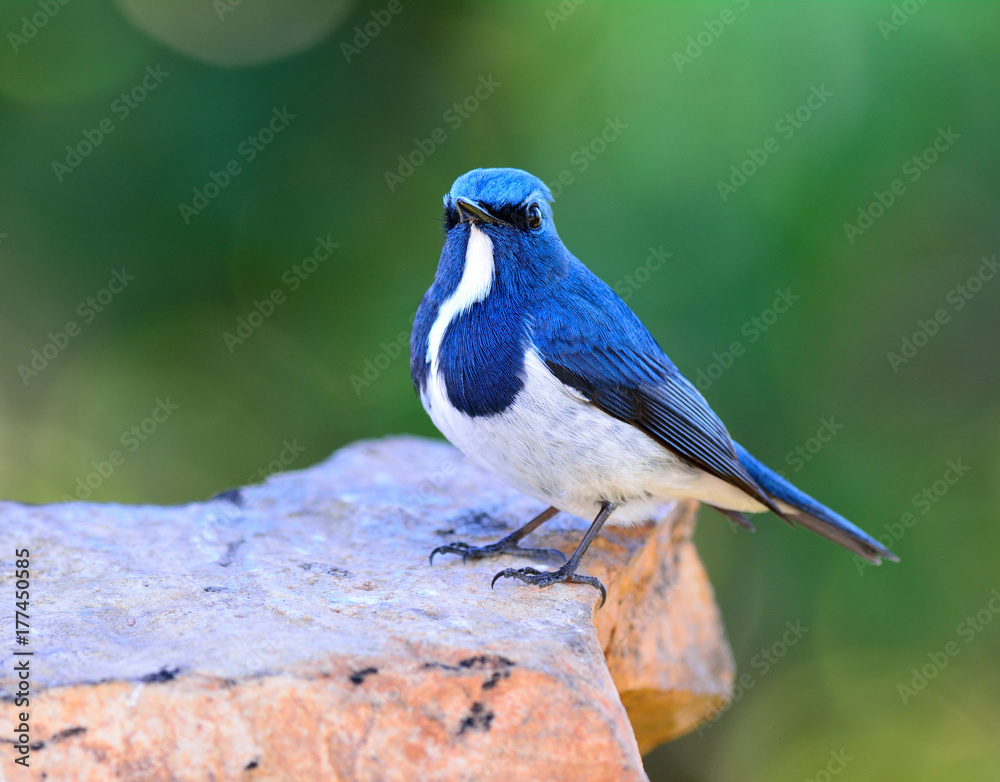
537	371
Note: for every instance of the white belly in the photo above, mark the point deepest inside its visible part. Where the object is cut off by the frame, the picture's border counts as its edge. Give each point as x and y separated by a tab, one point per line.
554	445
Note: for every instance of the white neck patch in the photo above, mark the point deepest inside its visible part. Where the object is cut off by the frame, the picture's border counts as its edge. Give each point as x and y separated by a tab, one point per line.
475	285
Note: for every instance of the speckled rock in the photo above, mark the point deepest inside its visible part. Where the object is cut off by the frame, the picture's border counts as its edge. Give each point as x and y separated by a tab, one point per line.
295	631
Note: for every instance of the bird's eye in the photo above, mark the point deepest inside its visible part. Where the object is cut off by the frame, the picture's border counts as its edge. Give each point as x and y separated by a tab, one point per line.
534	216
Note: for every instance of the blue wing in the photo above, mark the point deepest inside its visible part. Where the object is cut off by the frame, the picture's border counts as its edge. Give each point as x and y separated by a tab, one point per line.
595	344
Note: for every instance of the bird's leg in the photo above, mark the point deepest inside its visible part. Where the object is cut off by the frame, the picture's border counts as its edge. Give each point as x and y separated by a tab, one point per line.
567	572
506	545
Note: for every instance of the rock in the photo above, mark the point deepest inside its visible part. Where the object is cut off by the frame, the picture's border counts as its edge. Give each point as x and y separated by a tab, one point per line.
295	630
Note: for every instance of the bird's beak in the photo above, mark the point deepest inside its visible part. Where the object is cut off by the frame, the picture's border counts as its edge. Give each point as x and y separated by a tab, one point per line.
473	212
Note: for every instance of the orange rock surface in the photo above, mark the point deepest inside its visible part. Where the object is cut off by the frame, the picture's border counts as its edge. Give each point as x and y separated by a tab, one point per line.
295	631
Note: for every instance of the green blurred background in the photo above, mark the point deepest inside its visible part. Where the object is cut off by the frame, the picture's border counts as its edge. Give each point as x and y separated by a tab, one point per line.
694	89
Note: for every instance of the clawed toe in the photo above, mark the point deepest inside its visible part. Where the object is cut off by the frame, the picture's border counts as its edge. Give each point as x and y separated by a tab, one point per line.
525	574
452	548
495	549
544	578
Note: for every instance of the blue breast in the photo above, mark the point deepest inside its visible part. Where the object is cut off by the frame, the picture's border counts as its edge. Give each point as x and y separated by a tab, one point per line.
482	358
482	353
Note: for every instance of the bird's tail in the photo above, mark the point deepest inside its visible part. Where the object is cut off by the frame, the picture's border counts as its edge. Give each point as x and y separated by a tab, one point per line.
798	507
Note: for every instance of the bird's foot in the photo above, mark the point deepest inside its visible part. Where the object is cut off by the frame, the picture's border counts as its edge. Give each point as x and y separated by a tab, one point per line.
507	545
544	578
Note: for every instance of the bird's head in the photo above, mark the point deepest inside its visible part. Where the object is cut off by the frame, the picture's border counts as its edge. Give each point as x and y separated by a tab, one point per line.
506	198
512	210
